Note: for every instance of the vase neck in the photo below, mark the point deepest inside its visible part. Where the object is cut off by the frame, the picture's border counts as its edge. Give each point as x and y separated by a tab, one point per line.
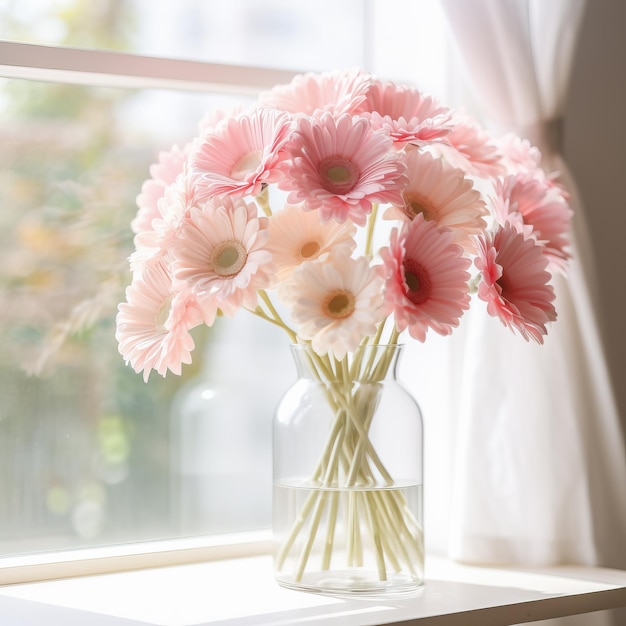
373	363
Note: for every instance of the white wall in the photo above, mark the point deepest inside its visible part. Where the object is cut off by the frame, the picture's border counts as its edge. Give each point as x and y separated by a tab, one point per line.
595	148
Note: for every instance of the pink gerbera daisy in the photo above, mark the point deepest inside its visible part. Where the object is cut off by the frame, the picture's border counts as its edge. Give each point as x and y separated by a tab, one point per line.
538	203
298	236
340	166
162	175
470	147
441	193
336	91
173	209
221	253
518	154
427	282
514	281
240	155
405	113
335	303
152	326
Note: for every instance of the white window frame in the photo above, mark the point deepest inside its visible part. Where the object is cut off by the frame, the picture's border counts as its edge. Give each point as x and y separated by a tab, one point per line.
103	68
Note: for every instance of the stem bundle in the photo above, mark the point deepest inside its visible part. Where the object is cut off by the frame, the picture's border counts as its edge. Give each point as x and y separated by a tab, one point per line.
354	503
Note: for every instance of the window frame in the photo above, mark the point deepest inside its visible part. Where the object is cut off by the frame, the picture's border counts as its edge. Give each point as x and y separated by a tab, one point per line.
102	68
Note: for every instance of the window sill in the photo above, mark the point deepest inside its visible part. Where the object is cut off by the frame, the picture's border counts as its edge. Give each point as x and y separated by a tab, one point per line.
242	591
128	557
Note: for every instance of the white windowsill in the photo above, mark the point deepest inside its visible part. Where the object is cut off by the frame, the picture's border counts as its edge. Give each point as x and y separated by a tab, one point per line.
127	557
242	591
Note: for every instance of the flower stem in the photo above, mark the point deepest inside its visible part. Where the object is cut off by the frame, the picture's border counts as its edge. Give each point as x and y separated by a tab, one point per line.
273	316
371	223
264	200
378	521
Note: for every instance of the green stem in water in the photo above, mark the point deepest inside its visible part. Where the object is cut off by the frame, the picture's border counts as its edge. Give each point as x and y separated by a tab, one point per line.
349	458
315	522
330	533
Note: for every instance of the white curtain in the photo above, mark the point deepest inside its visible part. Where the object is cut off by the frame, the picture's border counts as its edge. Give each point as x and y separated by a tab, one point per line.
525	458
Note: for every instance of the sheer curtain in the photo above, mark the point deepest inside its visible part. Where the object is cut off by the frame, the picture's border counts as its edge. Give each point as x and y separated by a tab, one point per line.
526	454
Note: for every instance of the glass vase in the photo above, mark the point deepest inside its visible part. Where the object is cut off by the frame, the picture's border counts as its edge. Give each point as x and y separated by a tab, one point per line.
347	477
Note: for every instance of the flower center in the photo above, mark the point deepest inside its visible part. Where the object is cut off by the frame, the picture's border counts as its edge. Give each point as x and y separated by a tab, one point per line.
414	204
309	249
339	304
247	164
338	175
417	281
228	258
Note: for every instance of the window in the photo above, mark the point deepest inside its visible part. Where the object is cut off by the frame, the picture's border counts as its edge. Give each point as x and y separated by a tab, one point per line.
89	454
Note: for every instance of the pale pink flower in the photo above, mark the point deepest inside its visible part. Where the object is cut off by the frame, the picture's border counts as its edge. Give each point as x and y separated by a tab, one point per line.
340	166
535	202
471	148
426	279
298	236
241	155
152	326
335	303
519	155
221	252
514	281
173	209
162	175
212	119
336	92
405	113
441	193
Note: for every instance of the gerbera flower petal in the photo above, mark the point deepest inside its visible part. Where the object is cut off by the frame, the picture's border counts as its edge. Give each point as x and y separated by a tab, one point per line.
162	174
240	155
540	204
297	236
173	209
514	281
340	166
405	113
518	154
335	303
336	92
469	147
221	253
426	279
443	194
152	326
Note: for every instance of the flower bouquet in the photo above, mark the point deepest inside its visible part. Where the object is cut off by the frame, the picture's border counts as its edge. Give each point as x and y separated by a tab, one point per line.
346	210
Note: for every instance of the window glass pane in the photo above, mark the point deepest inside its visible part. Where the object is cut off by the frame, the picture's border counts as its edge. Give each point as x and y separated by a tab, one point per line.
89	454
316	35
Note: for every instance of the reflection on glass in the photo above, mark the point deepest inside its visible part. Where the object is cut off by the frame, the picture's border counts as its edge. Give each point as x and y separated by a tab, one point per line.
318	35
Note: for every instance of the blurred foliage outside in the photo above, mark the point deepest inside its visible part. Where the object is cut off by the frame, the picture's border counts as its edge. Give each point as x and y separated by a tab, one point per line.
84	443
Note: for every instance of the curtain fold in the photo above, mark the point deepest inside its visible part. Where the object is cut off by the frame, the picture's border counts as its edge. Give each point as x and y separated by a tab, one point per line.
530	463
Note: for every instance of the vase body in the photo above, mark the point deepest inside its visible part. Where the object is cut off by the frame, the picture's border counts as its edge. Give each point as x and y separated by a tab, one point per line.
347	477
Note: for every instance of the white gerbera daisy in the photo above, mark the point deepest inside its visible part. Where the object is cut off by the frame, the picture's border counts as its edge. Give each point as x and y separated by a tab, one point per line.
298	236
335	303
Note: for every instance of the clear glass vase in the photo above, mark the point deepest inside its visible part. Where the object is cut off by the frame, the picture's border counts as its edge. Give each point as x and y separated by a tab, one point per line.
347	464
